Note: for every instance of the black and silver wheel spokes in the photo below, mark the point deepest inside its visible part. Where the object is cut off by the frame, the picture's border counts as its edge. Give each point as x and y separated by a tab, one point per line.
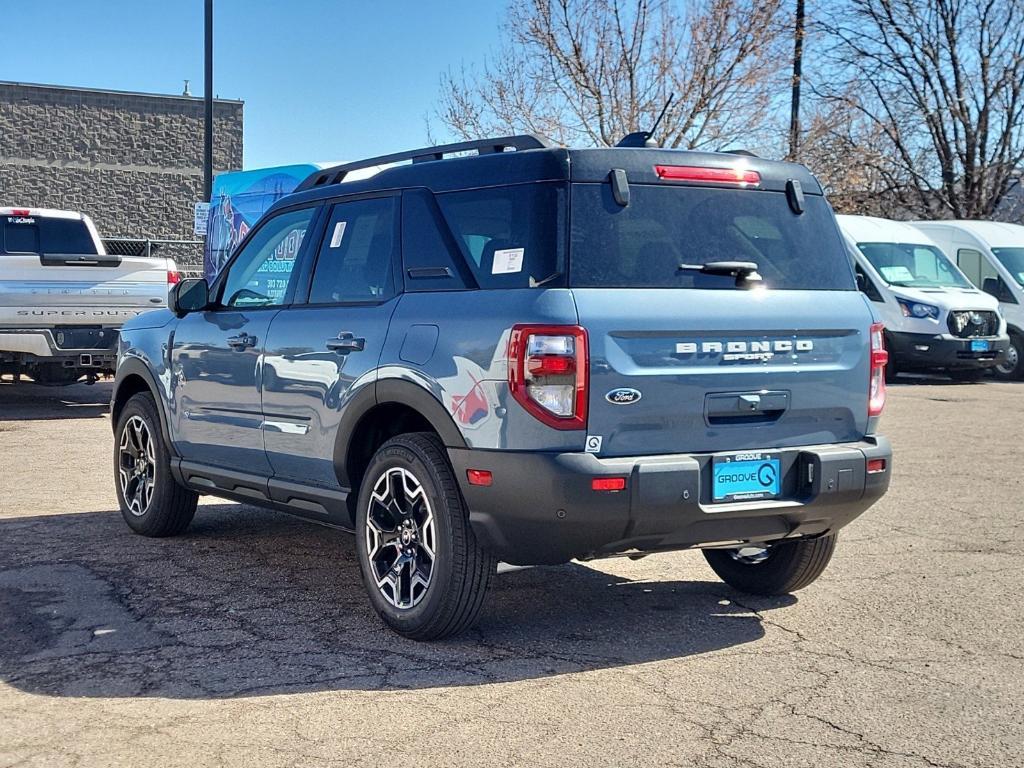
136	465
400	537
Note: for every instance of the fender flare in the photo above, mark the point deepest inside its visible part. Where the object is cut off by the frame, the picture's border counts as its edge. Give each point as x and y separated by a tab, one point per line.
133	366
403	392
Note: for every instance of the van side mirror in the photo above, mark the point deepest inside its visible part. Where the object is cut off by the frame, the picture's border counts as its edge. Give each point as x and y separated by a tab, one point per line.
191	295
994	286
862	283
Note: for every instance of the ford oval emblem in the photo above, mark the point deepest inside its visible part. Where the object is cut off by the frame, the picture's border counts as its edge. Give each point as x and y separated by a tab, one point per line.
623	396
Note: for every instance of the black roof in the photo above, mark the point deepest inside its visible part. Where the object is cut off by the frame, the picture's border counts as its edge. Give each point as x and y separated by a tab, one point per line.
539	160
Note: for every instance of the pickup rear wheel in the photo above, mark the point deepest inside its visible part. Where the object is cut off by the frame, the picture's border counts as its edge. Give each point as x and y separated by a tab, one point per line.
773	569
151	501
425	573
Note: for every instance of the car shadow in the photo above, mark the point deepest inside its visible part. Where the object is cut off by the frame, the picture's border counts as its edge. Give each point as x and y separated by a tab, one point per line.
27	401
250	602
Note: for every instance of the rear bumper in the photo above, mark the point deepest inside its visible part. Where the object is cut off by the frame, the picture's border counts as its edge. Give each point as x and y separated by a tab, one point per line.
541	507
922	352
59	344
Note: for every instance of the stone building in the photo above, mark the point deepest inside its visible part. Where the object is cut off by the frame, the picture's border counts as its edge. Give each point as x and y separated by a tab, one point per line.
131	161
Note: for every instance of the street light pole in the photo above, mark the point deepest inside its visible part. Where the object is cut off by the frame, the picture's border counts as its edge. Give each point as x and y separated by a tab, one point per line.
208	107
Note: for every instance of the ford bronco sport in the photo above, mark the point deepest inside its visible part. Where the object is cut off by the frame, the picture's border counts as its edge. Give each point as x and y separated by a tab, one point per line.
527	354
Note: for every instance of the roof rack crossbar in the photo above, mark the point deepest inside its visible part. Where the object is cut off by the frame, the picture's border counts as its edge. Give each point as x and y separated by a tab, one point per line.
337	173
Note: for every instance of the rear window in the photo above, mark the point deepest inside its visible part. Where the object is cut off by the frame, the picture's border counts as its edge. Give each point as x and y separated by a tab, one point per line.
39	234
511	237
642	245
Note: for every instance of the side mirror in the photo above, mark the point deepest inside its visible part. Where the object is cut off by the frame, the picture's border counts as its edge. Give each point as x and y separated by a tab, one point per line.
191	295
994	286
862	283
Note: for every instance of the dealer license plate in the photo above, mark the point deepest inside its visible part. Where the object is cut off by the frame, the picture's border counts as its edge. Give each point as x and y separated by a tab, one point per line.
746	476
980	346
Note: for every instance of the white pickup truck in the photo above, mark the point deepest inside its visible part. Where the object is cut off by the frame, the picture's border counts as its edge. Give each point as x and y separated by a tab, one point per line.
63	298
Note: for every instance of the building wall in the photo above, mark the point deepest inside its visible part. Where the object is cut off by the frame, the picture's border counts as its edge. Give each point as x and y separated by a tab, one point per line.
131	161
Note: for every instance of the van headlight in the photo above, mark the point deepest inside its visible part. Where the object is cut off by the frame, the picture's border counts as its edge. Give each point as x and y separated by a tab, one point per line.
917	309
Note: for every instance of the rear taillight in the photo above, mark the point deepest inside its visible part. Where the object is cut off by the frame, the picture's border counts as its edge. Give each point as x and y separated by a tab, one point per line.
548	373
173	277
879	360
739	176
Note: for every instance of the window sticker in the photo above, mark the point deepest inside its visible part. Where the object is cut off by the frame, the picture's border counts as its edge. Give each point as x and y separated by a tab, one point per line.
896	274
339	232
507	261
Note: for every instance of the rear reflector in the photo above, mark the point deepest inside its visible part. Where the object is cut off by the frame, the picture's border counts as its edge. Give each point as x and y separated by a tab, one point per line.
479	477
608	483
742	177
875	466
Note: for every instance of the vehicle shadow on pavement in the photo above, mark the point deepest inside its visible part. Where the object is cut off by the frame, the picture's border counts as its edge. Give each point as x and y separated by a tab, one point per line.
26	401
255	603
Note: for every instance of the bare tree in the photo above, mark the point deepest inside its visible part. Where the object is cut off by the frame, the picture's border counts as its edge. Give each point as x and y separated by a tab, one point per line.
591	71
939	86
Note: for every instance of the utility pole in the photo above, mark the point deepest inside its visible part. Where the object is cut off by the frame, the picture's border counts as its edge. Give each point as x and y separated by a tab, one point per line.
208	107
798	60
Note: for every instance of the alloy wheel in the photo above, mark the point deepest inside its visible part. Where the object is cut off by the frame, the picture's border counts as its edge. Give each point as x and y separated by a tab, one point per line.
136	465
751	554
400	538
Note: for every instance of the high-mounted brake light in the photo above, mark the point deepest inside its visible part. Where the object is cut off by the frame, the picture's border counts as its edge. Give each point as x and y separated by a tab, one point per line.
21	212
879	360
743	177
548	373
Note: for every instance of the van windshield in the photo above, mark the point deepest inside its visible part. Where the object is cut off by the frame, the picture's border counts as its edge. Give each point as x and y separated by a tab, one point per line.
913	266
1013	260
643	244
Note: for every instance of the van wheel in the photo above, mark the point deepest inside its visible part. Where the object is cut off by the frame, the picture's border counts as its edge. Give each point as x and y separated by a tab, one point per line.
151	501
1012	367
773	569
421	564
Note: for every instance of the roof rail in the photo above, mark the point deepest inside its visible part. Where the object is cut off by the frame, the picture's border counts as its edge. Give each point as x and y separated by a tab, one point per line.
337	173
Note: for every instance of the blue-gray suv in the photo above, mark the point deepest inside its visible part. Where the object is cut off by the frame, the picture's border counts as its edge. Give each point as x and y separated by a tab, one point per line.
506	350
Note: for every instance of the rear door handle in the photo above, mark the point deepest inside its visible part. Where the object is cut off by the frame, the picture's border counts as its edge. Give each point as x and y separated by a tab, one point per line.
241	342
345	343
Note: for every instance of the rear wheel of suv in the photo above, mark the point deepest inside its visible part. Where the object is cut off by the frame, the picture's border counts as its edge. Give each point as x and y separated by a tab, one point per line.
422	566
773	569
1012	366
151	501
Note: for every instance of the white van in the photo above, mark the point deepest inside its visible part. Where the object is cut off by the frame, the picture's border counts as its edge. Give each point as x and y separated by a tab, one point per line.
935	319
992	256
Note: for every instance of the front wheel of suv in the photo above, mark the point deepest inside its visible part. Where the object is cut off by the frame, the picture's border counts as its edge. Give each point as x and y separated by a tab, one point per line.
425	573
151	501
773	569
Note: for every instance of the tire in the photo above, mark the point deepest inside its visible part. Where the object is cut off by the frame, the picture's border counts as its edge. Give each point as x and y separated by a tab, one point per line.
438	588
1012	367
787	566
151	501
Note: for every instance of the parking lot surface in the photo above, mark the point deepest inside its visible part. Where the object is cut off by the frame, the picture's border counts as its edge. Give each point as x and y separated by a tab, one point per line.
250	641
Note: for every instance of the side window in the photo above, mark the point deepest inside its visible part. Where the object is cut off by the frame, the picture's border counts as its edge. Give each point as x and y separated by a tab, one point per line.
866	284
356	256
261	274
430	255
975	266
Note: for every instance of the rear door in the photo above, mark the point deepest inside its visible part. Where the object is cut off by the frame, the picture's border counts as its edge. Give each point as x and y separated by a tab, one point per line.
322	352
216	355
51	273
684	361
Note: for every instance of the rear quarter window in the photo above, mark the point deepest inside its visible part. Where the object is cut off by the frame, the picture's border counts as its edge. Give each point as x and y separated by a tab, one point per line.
642	245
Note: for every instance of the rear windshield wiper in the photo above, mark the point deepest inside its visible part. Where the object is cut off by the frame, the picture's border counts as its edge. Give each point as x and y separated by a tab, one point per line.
743	271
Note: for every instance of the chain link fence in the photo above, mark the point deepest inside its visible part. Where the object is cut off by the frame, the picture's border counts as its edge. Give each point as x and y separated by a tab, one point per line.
187	254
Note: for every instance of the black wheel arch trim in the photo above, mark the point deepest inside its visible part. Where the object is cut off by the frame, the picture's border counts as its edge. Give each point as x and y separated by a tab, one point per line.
403	392
133	366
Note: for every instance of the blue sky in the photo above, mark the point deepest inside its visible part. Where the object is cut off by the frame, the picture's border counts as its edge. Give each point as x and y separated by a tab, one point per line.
322	79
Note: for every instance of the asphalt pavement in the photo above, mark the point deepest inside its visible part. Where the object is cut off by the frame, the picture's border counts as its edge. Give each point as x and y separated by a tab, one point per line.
249	641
